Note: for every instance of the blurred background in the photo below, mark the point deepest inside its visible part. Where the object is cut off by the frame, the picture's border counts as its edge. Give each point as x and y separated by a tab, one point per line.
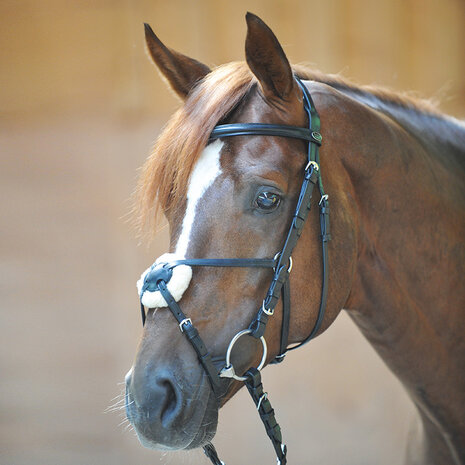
80	106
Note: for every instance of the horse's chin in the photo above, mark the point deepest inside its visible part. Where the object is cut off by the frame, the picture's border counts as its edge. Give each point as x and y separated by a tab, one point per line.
197	428
202	437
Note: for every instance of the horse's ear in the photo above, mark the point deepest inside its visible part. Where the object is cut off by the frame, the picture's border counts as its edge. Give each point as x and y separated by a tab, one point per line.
181	71
267	60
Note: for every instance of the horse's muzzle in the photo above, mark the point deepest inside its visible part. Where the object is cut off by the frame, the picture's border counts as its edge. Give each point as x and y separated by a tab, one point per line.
164	416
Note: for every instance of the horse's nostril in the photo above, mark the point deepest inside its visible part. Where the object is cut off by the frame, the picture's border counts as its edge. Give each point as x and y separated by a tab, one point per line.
169	409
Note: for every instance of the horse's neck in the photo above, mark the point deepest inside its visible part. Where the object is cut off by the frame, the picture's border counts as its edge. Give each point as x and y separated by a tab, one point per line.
407	297
436	130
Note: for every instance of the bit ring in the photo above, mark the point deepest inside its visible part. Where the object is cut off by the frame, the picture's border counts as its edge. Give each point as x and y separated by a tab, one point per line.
228	370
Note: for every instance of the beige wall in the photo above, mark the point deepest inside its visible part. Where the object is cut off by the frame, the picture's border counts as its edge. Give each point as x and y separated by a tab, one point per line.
88	56
80	105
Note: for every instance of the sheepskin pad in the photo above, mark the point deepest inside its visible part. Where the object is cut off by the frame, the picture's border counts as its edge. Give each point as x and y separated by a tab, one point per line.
177	285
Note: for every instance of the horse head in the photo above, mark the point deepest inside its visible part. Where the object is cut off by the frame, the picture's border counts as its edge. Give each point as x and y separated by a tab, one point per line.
226	197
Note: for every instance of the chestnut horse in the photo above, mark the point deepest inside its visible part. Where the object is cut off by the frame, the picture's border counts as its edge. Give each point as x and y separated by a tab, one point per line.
394	171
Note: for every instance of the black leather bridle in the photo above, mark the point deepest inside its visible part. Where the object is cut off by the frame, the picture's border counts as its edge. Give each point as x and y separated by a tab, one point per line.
160	274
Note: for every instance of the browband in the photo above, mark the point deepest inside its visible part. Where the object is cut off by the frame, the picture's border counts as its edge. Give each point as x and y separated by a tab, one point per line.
259	129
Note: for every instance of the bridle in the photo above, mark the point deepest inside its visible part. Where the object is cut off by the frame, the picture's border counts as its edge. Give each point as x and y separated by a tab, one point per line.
160	274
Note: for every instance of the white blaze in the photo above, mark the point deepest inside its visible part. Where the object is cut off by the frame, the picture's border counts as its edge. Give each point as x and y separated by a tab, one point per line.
205	171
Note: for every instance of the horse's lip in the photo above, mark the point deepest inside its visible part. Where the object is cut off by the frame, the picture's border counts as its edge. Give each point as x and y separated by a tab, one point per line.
207	429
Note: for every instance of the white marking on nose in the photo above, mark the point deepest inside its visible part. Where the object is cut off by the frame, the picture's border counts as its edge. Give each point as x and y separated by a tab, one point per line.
206	170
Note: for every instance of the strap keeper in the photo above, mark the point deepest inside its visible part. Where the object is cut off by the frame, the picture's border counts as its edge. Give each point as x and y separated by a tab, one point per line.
254	378
324	218
258	325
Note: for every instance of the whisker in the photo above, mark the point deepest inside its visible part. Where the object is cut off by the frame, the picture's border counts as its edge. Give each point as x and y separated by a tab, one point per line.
115	409
116	404
124	422
128	427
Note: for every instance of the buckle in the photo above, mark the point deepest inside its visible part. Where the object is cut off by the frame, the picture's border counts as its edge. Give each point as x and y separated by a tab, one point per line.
269	312
183	322
276	257
324	198
315	165
263	397
290	265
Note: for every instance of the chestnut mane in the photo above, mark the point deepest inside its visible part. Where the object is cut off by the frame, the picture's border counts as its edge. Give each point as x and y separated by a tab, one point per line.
165	175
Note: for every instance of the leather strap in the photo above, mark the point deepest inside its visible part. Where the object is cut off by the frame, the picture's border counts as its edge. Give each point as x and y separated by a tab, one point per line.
286	299
142	311
211	453
259	129
226	262
311	177
186	326
325	237
266	412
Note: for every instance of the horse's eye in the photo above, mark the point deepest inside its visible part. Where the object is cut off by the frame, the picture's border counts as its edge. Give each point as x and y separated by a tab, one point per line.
267	201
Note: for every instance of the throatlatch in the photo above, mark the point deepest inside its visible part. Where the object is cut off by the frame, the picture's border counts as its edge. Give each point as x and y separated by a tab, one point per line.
154	283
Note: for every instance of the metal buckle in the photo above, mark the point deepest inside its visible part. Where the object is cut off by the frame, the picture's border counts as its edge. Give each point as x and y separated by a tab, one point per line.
323	198
275	258
290	265
315	165
266	310
262	398
183	322
228	371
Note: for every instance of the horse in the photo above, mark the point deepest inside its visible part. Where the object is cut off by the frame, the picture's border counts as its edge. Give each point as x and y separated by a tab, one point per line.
393	168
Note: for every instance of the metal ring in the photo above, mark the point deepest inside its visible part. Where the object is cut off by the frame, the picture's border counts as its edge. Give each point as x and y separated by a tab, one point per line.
314	164
231	345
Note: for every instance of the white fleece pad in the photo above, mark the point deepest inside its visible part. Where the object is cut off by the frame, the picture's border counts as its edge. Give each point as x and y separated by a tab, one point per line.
177	285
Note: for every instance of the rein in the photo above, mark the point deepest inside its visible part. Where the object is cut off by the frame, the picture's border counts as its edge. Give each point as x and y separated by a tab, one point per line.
160	274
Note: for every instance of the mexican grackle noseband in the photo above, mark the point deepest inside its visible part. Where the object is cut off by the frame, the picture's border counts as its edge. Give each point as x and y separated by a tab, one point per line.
160	274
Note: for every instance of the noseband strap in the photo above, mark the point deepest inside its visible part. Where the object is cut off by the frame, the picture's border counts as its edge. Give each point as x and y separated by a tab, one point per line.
281	265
